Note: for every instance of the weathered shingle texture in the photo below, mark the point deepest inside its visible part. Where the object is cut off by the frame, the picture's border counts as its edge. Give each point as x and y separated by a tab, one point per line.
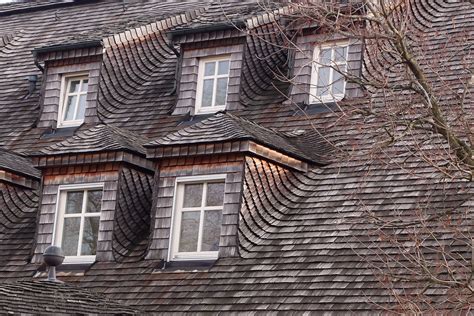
307	241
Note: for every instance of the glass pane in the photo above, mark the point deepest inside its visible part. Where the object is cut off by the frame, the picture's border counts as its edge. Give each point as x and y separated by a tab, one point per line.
223	67
90	235
70	107
74	202
84	86
325	56
340	54
215	194
338	83
211	230
74	86
70	236
323	80
94	199
207	92
189	231
192	195
210	68
221	93
81	107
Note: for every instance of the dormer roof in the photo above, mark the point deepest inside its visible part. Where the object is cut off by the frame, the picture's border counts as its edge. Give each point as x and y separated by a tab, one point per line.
225	131
100	139
17	164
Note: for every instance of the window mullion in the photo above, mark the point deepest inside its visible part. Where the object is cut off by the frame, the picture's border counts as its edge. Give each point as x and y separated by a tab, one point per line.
214	87
81	226
201	216
78	97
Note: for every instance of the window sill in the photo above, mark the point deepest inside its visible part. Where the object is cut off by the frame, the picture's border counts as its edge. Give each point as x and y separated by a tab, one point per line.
212	110
188	266
79	260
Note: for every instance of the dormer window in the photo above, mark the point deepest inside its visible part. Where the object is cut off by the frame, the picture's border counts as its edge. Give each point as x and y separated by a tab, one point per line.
213	78
73	102
197	218
327	80
77	221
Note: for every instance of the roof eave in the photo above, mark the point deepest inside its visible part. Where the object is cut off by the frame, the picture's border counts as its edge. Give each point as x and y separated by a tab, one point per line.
62	47
207	28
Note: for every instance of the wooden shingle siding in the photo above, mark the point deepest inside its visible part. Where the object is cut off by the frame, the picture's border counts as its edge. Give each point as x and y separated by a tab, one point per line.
132	216
230	33
52	89
189	74
70	54
169	170
20	180
302	66
47	209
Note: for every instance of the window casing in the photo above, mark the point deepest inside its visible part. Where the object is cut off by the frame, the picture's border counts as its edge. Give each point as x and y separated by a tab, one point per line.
213	80
77	221
72	105
197	217
327	80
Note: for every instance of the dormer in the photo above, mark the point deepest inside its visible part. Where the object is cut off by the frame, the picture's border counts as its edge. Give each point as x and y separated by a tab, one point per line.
96	196
326	64
210	67
70	83
200	183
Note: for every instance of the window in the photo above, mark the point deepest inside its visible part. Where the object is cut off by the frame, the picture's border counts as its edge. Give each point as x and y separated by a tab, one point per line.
77	224
212	83
327	82
197	218
73	101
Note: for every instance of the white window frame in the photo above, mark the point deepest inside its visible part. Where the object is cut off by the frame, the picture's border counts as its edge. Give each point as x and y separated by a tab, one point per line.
65	85
173	253
60	215
200	85
313	97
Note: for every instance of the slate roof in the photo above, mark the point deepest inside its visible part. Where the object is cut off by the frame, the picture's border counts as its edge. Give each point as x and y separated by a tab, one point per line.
223	127
40	297
303	237
97	138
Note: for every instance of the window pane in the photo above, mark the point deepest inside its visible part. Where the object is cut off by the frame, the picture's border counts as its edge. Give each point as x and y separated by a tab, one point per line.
325	56
85	84
323	80
74	86
94	199
70	107
90	235
192	195
207	90
210	68
70	236
340	54
223	67
215	194
221	92
211	230
74	202
189	231
81	107
338	83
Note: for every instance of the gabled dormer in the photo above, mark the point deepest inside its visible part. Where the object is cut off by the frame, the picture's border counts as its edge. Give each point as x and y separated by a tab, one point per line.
70	83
